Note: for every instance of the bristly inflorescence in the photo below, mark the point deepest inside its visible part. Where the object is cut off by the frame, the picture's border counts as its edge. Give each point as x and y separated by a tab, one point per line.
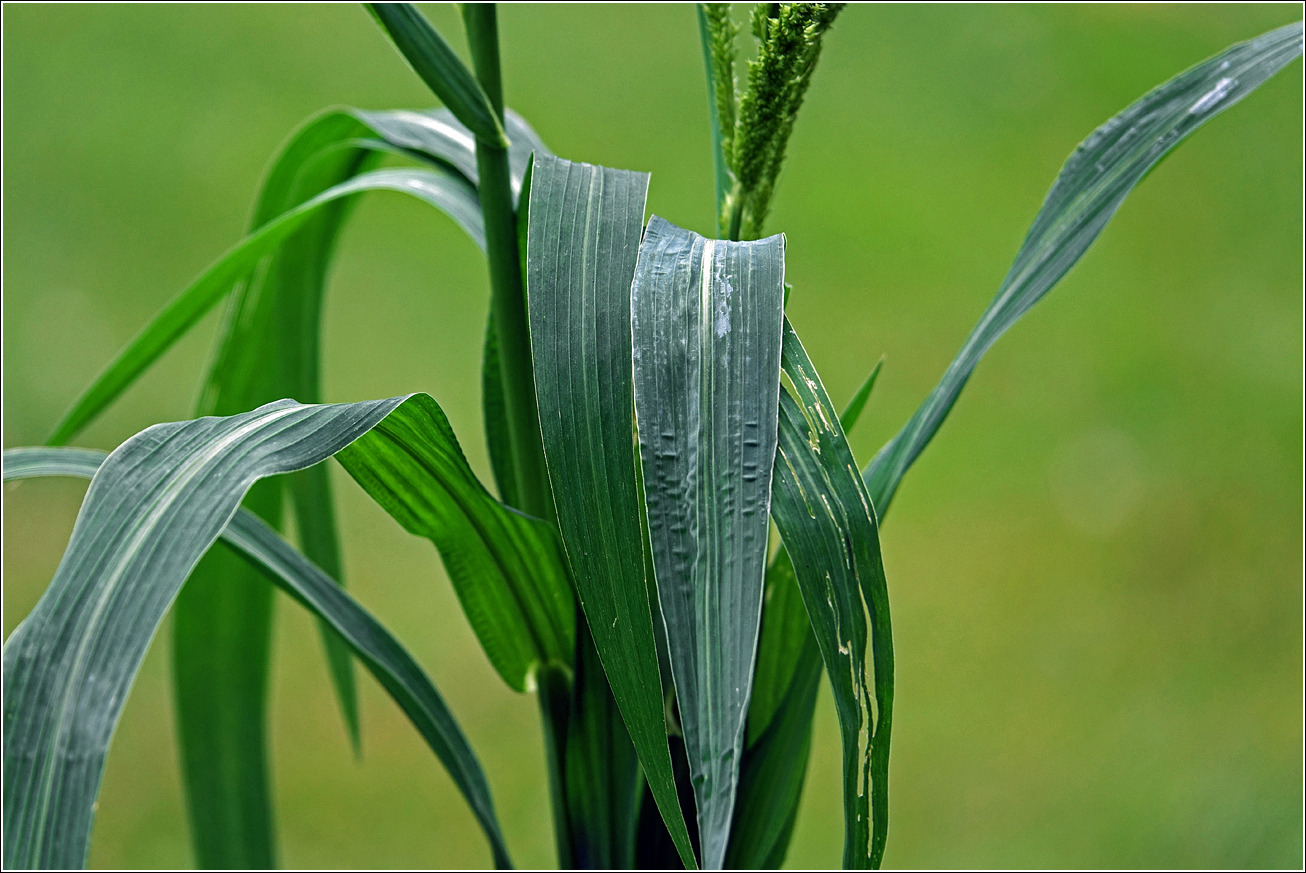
754	136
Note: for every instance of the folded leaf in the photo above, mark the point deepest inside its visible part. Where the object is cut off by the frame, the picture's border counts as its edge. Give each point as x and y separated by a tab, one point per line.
706	328
506	567
380	652
830	531
583	239
1090	188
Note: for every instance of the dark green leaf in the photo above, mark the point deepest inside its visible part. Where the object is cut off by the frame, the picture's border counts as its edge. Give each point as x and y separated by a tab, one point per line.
383	655
583	239
706	328
775	764
440	68
603	783
829	529
1090	188
853	411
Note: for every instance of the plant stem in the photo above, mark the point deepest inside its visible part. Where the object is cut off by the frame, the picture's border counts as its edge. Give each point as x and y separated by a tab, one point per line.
508	300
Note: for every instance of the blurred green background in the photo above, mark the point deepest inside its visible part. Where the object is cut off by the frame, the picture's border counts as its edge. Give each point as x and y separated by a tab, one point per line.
1096	569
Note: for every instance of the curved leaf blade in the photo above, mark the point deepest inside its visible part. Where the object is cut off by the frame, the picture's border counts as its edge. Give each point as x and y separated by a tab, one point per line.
582	242
383	655
506	567
446	191
222	621
706	326
829	528
1093	183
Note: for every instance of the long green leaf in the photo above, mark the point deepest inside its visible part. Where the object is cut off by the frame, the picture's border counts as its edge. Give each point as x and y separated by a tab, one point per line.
383	655
830	531
1091	186
583	240
155	506
507	568
268	349
706	328
450	193
781	710
440	68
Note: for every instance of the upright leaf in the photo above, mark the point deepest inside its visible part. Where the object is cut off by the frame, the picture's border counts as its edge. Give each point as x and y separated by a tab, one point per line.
583	240
830	531
706	326
1090	188
392	666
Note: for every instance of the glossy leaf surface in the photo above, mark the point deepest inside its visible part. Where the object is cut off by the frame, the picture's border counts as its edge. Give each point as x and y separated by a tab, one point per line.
706	327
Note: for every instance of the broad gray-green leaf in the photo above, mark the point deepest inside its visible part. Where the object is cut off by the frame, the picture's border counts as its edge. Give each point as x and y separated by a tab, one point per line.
706	328
383	655
828	524
1091	186
583	240
448	192
440	68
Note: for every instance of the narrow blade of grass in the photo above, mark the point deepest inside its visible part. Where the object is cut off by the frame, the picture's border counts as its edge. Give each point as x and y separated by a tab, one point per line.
1093	183
440	68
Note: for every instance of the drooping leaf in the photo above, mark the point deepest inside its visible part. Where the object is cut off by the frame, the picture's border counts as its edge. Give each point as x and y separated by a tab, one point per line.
383	655
437	134
583	240
155	506
440	68
1090	188
829	528
506	567
781	710
267	350
446	191
706	328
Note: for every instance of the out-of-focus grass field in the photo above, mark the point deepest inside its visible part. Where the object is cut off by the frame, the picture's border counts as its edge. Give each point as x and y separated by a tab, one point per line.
1096	569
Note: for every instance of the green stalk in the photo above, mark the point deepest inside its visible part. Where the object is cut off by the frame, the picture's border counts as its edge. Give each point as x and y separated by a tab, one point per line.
508	300
508	308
